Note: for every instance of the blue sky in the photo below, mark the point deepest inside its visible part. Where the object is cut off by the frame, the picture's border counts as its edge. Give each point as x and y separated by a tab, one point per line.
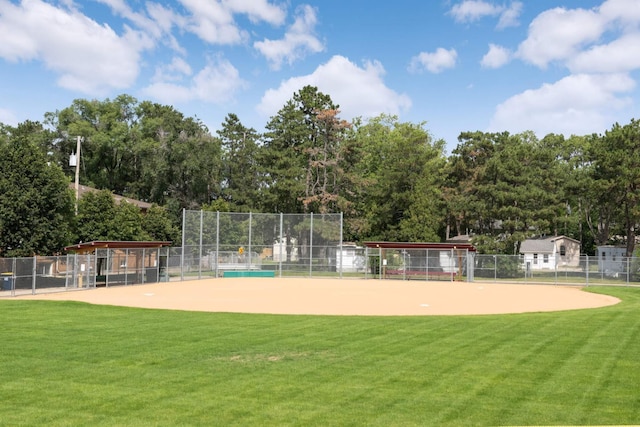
561	66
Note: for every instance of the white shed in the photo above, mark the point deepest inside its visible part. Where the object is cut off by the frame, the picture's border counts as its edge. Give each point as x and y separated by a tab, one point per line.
612	260
351	259
550	253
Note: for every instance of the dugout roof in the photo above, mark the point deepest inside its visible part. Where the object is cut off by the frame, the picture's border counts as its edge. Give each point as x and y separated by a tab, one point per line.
88	247
416	245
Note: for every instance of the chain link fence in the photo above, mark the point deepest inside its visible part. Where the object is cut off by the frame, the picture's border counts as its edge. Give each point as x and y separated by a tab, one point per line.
121	267
420	264
589	270
107	267
216	244
286	244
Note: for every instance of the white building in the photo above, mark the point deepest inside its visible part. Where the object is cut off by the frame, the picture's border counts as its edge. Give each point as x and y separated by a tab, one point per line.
612	260
550	253
351	258
280	251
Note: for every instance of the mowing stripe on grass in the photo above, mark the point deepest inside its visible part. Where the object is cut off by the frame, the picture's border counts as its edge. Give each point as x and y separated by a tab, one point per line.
77	364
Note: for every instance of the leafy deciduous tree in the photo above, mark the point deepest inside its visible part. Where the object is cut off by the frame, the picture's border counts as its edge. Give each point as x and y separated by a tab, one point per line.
36	203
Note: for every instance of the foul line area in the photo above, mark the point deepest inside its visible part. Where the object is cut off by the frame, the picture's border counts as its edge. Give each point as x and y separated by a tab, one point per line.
340	297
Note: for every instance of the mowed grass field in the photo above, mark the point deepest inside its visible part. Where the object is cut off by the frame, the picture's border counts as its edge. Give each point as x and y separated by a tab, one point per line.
67	364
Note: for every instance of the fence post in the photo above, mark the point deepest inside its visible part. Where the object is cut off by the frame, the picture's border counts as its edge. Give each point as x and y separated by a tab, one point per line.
200	246
107	269
366	261
587	268
158	258
426	270
340	245
451	267
217	242
33	278
126	266
380	263
280	245
311	245
143	273
404	264
628	270
250	227
88	271
13	277
184	216
95	269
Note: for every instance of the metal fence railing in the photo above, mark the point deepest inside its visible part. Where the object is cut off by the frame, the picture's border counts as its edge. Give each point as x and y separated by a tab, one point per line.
420	264
585	270
287	244
19	276
121	267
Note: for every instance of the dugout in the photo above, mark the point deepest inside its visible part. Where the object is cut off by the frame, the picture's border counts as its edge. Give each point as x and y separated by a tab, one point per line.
420	261
107	263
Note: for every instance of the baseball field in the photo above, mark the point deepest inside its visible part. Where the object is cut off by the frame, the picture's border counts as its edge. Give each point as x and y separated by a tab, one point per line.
321	352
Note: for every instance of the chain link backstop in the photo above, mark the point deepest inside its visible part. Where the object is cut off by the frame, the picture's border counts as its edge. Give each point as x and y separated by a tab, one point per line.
286	244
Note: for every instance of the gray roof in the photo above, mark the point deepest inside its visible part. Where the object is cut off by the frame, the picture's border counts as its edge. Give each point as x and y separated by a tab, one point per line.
82	189
543	245
537	246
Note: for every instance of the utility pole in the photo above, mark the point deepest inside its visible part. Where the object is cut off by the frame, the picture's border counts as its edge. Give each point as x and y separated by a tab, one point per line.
74	160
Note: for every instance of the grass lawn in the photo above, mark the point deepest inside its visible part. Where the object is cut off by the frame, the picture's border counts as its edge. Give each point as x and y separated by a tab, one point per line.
67	363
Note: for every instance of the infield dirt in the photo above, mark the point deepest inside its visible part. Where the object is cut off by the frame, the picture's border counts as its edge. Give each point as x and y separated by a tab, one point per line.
340	297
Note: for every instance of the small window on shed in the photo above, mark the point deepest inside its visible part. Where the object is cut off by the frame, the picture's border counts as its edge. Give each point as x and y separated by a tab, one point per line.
545	258
563	250
535	258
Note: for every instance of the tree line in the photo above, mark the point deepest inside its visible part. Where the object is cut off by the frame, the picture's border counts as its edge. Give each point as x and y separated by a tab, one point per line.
391	179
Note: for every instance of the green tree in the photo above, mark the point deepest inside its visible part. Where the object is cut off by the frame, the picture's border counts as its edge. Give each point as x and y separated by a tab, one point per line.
36	203
96	213
101	218
127	224
182	169
325	168
402	173
158	224
110	157
466	169
286	156
508	187
240	176
617	170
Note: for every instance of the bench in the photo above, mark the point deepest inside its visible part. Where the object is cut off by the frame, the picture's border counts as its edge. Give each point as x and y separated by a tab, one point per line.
422	274
248	273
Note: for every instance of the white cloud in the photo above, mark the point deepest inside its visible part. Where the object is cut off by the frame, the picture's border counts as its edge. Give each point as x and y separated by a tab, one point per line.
258	10
175	71
578	104
297	42
213	22
157	25
435	62
360	91
216	83
496	57
558	34
624	11
7	117
510	15
89	57
474	10
620	55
